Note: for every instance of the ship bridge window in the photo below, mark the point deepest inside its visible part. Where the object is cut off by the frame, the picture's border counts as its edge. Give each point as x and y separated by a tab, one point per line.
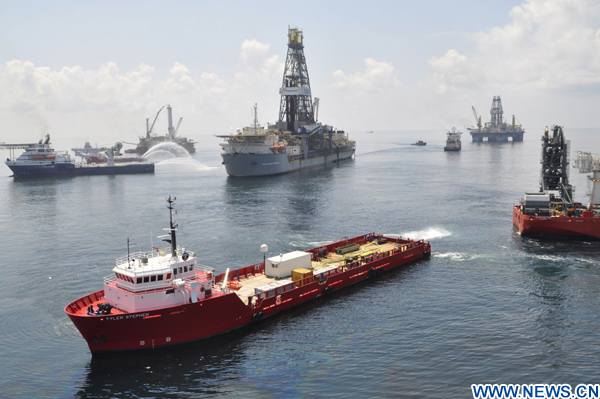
153	278
185	268
139	280
146	279
160	277
168	276
180	270
191	267
175	271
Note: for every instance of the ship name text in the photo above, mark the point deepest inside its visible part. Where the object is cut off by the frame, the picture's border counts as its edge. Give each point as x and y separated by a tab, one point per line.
128	316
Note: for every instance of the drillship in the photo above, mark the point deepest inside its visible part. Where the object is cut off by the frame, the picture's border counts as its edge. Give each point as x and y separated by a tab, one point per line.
297	141
453	141
166	297
496	130
551	212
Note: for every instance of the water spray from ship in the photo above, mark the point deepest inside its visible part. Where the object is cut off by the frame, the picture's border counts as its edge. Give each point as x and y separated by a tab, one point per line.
170	151
166	150
173	157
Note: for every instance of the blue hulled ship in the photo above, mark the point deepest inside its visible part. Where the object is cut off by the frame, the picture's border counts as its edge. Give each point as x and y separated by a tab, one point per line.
40	159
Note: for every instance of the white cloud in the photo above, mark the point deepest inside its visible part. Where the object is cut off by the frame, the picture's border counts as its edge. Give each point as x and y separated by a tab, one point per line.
378	76
33	93
548	45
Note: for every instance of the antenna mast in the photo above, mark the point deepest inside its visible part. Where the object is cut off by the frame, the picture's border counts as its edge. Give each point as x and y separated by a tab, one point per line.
172	227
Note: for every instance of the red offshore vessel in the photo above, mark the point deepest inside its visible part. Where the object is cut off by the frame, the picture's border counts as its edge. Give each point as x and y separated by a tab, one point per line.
551	212
166	297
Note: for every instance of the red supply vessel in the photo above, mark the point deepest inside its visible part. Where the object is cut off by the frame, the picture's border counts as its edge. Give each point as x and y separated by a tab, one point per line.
166	297
551	212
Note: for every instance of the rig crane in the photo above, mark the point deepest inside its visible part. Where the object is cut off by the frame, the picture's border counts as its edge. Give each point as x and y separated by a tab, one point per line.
149	128
113	151
177	127
477	117
587	163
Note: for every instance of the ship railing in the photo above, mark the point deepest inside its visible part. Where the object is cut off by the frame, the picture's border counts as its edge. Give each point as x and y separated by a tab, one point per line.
206	269
322	276
162	255
110	278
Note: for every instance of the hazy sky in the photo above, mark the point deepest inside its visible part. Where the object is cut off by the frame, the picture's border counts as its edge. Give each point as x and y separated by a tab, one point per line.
96	70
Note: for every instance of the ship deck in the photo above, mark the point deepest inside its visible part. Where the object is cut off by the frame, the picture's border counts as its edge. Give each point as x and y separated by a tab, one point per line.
331	260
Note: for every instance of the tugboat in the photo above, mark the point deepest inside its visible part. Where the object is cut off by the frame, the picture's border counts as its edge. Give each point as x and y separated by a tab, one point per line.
40	159
419	143
166	297
453	141
551	212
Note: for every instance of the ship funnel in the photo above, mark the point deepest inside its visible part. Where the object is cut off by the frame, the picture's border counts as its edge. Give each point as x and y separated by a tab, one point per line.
171	129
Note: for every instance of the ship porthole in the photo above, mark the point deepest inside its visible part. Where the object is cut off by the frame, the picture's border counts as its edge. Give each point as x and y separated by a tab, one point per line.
168	339
142	343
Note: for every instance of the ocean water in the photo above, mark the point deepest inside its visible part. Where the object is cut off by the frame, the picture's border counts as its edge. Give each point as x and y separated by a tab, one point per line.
488	307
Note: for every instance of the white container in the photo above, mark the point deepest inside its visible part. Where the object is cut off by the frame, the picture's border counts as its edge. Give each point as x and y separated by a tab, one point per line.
283	265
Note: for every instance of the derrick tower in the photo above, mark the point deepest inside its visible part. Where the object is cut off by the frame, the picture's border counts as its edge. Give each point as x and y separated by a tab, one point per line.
496	112
296	109
555	158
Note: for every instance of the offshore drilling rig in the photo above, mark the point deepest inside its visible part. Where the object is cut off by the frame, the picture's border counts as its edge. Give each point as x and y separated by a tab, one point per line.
496	130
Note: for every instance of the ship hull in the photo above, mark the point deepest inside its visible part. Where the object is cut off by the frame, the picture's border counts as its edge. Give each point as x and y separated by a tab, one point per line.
220	313
248	165
555	226
451	148
70	169
496	137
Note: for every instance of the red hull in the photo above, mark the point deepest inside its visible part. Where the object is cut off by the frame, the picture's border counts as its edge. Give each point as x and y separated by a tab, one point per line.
566	226
221	312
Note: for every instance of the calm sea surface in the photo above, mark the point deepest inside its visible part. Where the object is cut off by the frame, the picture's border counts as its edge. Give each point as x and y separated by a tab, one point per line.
488	307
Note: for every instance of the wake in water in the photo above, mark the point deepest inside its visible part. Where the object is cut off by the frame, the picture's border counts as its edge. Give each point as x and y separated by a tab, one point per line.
427	234
173	157
183	165
457	256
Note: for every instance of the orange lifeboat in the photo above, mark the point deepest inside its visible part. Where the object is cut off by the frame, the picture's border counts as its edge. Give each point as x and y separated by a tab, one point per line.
234	285
38	157
278	148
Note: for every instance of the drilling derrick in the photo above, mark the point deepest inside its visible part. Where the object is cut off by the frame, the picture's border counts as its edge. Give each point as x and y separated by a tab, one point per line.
496	112
555	158
296	109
